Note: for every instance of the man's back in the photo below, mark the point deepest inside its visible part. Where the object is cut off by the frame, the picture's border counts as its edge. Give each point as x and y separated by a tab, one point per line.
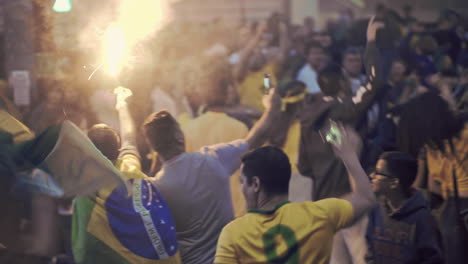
292	233
196	188
213	128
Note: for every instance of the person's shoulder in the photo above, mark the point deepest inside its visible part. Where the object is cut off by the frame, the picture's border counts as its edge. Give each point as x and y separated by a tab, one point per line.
211	150
238	225
328	203
303	69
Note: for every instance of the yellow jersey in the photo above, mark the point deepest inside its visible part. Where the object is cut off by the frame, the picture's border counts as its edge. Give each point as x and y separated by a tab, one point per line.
441	165
11	125
291	233
251	88
291	146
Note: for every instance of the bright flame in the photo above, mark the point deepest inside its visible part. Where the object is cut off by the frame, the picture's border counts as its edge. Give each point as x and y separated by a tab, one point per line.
116	49
62	6
136	20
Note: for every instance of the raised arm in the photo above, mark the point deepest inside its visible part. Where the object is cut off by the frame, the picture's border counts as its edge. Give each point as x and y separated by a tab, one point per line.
362	197
260	131
127	127
364	97
240	69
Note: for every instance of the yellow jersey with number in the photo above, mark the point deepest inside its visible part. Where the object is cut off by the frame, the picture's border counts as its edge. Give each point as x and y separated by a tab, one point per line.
292	233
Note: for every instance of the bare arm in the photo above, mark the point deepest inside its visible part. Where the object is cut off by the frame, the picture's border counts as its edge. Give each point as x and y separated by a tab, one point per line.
356	109
127	127
260	131
284	43
362	197
240	68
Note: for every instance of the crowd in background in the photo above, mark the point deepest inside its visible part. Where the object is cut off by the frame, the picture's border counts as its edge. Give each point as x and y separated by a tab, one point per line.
407	92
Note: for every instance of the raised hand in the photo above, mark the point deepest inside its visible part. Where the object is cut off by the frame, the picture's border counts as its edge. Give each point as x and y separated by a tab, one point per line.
350	143
272	100
372	28
121	95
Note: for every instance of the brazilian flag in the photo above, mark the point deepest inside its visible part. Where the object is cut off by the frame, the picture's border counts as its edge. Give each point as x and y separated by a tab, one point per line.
116	228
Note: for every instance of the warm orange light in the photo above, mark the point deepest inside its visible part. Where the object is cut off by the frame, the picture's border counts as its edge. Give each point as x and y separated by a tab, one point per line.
115	51
136	21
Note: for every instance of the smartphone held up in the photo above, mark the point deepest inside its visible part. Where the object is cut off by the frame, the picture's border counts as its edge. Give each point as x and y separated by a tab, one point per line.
331	133
267	85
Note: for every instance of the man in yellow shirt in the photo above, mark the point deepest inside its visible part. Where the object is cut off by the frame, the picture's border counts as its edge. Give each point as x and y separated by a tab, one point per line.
277	231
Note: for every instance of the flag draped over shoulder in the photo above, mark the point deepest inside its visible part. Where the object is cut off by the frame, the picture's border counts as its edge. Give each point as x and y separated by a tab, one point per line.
71	165
116	228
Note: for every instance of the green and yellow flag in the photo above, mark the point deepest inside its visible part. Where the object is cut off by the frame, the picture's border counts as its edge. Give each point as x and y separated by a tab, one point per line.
69	161
116	228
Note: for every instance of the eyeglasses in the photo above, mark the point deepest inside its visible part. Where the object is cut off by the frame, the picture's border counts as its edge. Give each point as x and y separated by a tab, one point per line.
385	176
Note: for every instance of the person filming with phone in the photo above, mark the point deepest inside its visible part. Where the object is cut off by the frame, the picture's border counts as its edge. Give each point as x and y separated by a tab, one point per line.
316	159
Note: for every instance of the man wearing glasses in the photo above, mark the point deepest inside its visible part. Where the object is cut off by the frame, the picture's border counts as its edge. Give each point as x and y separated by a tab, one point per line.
401	228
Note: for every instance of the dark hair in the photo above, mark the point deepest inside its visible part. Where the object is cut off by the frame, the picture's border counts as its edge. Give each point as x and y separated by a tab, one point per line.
329	79
426	120
402	166
353	51
271	165
313	45
292	88
163	133
401	61
106	139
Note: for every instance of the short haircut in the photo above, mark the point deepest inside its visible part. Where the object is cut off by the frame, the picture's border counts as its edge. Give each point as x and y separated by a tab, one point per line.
401	61
400	165
329	79
352	51
313	45
292	88
161	130
271	165
106	139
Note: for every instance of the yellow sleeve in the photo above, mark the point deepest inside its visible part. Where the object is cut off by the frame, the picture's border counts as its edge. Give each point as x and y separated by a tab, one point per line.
339	211
19	131
129	163
225	252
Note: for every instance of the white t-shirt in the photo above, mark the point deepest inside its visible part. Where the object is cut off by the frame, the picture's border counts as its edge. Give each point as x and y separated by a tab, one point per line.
196	189
308	76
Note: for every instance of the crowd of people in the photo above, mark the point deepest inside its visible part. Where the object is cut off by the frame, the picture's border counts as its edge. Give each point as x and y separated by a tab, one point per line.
357	153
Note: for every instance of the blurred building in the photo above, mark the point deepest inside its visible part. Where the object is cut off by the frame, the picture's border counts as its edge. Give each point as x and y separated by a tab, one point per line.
228	10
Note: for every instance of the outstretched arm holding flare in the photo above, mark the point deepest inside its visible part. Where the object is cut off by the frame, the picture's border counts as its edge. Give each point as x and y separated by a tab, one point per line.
127	127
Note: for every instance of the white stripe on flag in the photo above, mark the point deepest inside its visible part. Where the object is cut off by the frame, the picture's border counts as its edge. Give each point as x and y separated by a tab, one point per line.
147	220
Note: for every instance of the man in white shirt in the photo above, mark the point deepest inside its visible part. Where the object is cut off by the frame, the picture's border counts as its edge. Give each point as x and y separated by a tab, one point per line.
316	61
196	185
352	65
